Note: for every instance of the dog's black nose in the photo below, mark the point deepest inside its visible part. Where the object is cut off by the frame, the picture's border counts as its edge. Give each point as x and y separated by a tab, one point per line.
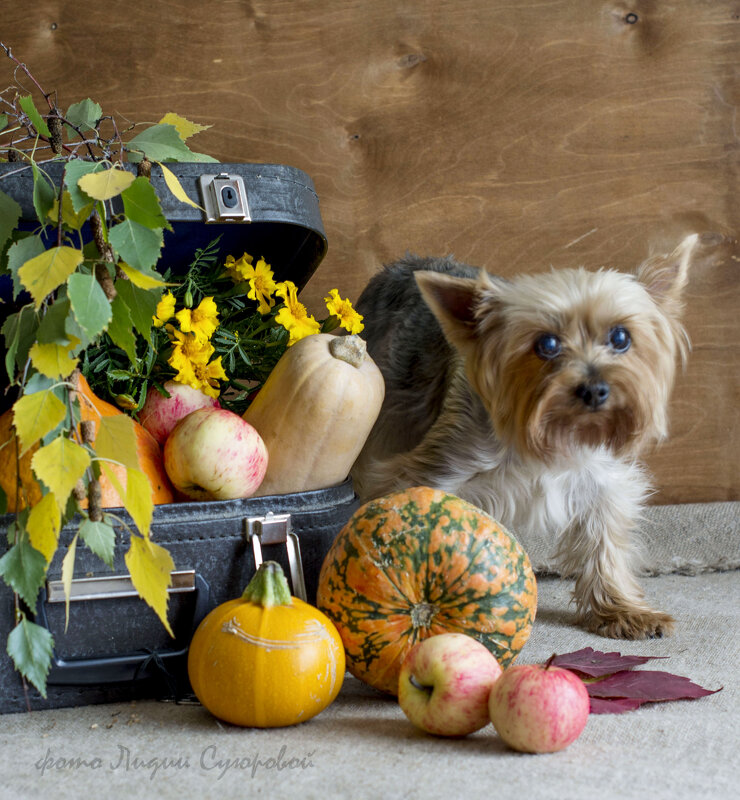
593	393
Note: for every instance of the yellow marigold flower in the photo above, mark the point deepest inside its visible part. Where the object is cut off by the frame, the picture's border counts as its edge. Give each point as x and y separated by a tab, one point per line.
208	376
190	358
165	309
262	286
293	316
187	347
237	267
201	321
349	319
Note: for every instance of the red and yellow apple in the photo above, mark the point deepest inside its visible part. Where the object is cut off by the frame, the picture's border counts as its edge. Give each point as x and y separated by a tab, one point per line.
213	454
539	708
444	684
160	414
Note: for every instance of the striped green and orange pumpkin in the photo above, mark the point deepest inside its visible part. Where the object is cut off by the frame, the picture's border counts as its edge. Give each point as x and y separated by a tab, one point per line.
421	562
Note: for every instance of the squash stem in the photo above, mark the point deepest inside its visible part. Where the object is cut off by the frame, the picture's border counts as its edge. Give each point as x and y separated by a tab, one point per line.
268	587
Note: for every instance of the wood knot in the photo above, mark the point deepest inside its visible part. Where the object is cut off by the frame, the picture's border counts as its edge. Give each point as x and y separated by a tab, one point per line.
411	60
631	18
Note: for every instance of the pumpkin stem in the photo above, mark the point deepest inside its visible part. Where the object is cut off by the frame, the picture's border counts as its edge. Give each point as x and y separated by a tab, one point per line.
268	587
351	349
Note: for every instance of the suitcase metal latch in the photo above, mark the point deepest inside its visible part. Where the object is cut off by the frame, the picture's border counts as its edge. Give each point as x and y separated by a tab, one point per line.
275	529
224	198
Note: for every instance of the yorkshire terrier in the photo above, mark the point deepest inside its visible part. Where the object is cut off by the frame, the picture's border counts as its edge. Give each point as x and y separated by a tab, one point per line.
532	398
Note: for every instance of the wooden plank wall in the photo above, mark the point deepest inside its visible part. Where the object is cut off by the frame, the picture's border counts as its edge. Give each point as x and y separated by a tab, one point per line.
515	135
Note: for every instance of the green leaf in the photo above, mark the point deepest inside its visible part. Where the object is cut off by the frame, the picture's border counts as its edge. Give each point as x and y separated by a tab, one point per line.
121	328
141	204
44	273
100	538
138	246
43	194
141	304
23	250
73	171
31	646
27	104
162	143
60	465
10	214
3	501
19	331
90	305
53	327
23	568
85	115
34	415
116	440
40	383
3	122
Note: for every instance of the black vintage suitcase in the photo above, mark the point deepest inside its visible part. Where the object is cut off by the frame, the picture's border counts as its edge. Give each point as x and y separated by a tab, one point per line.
115	648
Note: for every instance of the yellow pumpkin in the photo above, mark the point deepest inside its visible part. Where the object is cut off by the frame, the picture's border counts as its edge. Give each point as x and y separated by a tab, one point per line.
266	659
315	412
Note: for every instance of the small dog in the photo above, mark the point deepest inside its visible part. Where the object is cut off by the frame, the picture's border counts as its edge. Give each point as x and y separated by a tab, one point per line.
532	399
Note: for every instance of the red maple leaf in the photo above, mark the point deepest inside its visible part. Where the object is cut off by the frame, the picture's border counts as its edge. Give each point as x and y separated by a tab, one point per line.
596	663
618	689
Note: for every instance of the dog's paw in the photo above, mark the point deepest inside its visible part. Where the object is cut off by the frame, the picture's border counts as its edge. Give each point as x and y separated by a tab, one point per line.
632	624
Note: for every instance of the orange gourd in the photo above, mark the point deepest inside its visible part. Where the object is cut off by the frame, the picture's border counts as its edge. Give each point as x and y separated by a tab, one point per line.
266	659
92	408
421	562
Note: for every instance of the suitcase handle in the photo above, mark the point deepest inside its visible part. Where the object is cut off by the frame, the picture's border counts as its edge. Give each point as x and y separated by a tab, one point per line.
131	666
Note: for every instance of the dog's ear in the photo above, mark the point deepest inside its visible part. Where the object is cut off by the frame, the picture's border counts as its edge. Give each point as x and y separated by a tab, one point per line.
666	276
453	302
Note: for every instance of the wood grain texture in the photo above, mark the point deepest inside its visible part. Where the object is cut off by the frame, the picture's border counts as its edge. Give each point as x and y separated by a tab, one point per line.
514	135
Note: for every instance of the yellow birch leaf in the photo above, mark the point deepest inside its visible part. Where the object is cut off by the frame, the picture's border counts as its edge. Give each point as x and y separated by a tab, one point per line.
70	217
68	570
43	524
116	440
174	185
151	567
184	127
60	465
54	360
106	184
43	273
35	415
139	501
141	279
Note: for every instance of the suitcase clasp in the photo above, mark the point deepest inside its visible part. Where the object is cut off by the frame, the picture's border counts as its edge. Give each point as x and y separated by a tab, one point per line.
275	529
224	198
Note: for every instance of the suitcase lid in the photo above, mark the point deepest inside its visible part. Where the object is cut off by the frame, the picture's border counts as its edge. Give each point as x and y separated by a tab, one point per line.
282	225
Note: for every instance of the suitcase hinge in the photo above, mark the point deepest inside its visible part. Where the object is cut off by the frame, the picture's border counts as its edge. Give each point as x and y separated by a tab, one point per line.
275	529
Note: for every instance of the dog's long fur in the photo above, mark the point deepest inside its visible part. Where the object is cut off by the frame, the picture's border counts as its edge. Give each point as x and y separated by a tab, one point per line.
472	408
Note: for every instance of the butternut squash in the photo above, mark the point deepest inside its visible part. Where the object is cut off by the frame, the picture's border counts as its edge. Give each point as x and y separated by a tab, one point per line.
315	412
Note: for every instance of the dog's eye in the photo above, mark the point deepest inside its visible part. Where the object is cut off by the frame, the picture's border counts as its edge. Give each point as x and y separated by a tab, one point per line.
548	346
620	339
